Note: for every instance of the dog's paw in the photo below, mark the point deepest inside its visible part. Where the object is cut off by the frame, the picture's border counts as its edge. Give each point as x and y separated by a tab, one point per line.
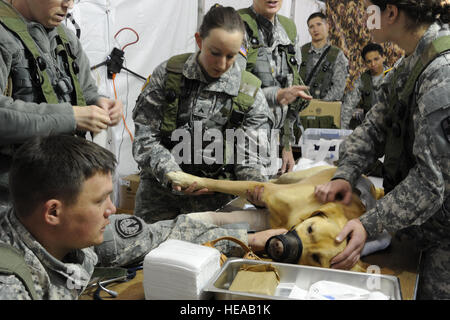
182	179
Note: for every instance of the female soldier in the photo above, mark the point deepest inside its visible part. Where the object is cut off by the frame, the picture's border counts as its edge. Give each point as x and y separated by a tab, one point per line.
411	126
200	96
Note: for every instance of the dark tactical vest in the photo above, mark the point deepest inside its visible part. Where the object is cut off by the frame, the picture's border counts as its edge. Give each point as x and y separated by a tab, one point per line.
367	96
321	82
251	25
174	86
31	82
399	157
322	72
366	92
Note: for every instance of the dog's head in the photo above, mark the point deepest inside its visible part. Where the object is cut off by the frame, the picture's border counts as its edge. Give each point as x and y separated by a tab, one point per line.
311	242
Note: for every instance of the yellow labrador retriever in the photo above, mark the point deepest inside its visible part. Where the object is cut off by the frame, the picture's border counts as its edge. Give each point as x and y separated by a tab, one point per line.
292	205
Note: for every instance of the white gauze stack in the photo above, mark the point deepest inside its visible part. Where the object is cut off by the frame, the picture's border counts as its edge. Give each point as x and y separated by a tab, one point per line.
179	270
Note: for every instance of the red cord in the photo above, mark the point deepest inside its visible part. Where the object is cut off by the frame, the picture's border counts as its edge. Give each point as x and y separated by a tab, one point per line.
132	30
114	75
123	117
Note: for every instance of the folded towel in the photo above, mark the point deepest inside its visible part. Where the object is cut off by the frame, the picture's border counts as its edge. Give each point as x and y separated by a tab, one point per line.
179	270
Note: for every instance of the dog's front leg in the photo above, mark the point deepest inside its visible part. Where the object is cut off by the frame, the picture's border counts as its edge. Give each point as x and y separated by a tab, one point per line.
237	188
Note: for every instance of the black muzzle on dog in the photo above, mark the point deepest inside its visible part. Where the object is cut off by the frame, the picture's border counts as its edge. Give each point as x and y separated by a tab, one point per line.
285	247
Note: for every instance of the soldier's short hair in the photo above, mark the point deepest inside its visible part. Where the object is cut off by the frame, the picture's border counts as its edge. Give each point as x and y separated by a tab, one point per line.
372	47
54	167
317	15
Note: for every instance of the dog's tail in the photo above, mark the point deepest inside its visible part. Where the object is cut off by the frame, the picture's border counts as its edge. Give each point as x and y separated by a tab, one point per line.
237	188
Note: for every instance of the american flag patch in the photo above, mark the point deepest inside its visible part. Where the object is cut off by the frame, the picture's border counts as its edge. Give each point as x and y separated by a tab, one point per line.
243	51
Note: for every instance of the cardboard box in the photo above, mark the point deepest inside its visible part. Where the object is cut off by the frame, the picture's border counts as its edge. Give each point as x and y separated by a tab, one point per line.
127	193
124	211
324	108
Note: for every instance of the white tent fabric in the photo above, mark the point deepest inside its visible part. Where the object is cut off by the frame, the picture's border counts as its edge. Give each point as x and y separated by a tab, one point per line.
164	28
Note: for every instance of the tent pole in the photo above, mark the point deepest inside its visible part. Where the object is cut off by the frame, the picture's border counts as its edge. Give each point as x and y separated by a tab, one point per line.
293	9
200	14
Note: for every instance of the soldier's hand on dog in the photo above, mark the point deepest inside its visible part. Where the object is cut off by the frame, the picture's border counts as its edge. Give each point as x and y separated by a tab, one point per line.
192	190
352	252
339	189
255	197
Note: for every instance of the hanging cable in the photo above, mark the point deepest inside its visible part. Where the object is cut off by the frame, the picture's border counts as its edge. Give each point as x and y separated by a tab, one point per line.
123	117
128	44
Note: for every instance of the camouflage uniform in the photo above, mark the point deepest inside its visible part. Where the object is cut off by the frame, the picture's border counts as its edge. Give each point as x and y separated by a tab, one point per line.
420	204
272	36
202	104
26	109
54	279
352	99
336	89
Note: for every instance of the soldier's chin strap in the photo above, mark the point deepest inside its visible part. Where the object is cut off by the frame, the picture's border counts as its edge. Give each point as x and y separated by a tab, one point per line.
285	247
70	17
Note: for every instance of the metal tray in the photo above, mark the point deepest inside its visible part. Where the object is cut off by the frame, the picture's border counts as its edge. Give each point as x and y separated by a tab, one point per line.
301	276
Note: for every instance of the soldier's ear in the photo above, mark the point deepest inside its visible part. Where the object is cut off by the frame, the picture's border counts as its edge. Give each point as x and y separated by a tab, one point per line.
199	40
52	212
393	12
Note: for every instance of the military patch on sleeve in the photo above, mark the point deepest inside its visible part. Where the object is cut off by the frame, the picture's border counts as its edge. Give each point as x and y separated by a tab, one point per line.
243	51
129	227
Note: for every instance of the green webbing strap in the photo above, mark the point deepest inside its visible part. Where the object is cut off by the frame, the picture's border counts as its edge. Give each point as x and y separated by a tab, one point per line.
331	58
65	49
242	102
249	18
436	48
12	262
305	56
289	27
174	70
13	22
330	54
247	92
